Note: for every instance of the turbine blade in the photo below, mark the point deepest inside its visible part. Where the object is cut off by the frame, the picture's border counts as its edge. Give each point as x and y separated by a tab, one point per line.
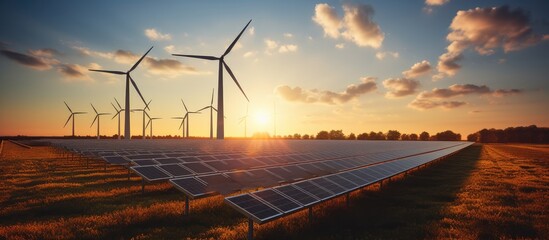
115	115
215	109
95	110
67	106
147	105
117	103
108	71
212	102
139	92
115	109
147	114
177	117
149	122
79	112
197	56
234	78
187	110
96	117
182	121
203	108
141	59
68	119
236	39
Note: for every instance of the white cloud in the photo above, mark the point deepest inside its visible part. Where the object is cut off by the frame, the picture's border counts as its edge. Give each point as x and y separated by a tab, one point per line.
287	48
271	44
436	2
155	35
169	48
297	94
250	54
251	31
400	87
356	26
383	55
288	35
340	45
418	69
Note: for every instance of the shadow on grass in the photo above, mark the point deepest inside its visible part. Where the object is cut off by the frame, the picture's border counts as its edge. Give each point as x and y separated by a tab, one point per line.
402	209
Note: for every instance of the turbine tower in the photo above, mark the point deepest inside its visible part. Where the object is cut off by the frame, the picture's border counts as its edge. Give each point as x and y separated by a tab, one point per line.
72	116
151	123
187	116
97	118
212	108
220	108
127	134
245	119
144	113
117	110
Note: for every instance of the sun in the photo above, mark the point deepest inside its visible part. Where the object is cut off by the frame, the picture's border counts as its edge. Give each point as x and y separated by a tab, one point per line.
262	118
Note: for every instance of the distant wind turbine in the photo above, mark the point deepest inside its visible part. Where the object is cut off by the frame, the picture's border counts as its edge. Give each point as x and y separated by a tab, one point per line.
97	117
220	108
187	116
144	113
127	134
151	123
72	116
245	119
117	110
212	108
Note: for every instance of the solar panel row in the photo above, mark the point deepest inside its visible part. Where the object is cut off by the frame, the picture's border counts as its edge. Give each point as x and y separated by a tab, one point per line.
271	203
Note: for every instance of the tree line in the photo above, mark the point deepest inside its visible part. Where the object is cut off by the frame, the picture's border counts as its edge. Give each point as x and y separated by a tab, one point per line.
390	135
529	134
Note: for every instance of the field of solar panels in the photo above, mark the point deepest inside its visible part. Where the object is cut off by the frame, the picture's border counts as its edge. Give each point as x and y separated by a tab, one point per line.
272	189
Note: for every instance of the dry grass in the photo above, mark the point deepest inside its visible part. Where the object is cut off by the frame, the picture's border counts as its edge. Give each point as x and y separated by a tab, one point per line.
485	191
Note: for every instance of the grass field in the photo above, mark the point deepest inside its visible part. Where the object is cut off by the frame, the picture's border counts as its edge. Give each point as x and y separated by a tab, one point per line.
483	192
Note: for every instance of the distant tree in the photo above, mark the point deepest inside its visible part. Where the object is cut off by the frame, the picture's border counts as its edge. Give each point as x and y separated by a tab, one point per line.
414	137
305	136
393	135
424	136
352	136
381	136
473	137
405	137
372	135
322	135
448	135
337	135
362	136
297	136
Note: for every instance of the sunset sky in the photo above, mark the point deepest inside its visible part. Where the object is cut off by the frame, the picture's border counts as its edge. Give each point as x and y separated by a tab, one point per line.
358	66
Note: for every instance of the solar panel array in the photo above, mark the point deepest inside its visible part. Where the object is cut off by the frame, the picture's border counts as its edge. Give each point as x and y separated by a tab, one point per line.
271	203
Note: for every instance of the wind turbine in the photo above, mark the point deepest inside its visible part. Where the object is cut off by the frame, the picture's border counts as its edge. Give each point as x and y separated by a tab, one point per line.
151	122
187	116
220	111
127	134
212	108
144	113
118	110
97	118
245	119
72	116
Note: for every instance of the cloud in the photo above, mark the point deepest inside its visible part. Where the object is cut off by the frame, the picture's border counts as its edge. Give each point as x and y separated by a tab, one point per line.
424	104
400	87
340	45
33	62
44	52
436	2
87	52
271	44
74	72
287	48
155	35
169	48
298	94
168	67
125	57
383	55
251	31
249	54
432	99
356	25
485	30
418	69
288	35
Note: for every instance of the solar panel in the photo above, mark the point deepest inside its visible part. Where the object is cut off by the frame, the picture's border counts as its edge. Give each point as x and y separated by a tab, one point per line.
189	159
220	165
353	178
314	190
253	207
150	173
172	155
116	160
190	186
175	170
297	194
277	200
145	162
145	156
206	158
348	185
300	173
168	160
329	185
220	184
313	169
198	167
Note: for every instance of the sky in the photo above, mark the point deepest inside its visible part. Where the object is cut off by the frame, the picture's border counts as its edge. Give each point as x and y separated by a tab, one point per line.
306	66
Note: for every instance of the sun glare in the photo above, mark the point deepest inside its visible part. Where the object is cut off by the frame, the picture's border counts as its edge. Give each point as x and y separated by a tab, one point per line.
262	118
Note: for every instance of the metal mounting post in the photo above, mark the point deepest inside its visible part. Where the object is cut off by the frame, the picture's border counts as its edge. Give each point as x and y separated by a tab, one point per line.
186	213
250	229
